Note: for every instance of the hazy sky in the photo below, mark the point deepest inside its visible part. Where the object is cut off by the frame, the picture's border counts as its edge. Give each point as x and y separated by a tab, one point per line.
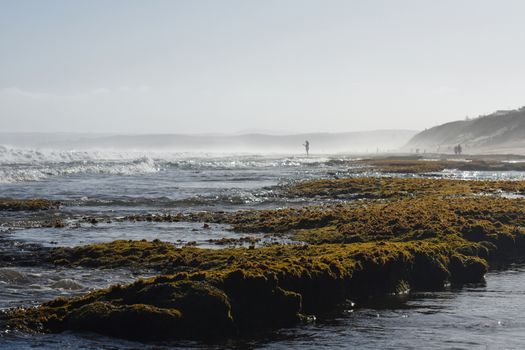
227	66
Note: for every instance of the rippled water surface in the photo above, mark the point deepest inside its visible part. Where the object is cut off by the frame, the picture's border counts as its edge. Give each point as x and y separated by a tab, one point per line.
112	185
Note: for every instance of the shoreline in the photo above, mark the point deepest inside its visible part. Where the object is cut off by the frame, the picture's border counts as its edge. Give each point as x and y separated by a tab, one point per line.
405	234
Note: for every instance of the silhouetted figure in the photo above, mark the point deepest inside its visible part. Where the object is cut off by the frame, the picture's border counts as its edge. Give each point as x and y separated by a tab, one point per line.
307	147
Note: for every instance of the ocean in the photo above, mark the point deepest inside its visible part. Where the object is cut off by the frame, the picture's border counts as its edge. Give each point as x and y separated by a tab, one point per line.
108	185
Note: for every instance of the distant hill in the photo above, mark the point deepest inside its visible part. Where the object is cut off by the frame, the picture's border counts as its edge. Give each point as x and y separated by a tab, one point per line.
244	143
499	132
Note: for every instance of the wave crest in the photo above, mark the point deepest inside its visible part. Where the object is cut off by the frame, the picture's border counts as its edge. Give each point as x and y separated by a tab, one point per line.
39	168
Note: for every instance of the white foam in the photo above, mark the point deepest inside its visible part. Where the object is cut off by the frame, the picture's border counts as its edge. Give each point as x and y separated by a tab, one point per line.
28	156
23	165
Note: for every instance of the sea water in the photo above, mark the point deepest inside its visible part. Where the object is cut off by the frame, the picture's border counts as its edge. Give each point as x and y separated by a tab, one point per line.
110	184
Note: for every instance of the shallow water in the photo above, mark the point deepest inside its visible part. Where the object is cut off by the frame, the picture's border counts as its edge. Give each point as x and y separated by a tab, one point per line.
487	316
176	232
219	183
117	184
90	186
29	286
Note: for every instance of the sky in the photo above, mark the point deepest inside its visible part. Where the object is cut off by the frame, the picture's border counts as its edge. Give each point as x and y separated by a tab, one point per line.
278	66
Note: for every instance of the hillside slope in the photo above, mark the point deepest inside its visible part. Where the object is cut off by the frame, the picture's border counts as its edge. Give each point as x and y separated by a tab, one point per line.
499	132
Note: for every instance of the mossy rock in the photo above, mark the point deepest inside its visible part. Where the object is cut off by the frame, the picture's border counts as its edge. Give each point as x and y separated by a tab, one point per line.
354	250
10	204
258	301
467	269
205	309
137	321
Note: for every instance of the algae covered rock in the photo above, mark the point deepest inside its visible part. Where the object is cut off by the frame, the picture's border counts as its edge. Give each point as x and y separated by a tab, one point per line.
467	269
10	204
205	309
137	321
258	301
422	240
169	307
259	288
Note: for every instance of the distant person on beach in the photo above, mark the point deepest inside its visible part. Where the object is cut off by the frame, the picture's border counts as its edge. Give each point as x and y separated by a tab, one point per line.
307	147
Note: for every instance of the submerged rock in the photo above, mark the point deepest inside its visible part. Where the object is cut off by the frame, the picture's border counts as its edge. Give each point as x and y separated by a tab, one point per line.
416	165
68	284
10	204
237	291
10	275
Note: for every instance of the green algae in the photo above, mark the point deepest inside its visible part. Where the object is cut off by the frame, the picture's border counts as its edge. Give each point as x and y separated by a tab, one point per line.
367	189
10	204
234	291
397	188
475	219
420	166
428	233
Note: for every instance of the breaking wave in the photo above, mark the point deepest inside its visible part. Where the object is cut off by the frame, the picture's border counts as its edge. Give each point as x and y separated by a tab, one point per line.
27	156
22	164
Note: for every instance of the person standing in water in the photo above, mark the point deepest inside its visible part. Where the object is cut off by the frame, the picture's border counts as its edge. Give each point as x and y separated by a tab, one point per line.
307	147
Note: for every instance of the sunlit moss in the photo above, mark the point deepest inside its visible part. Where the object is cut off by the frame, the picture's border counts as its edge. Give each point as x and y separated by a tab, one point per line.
417	166
427	233
231	291
396	188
